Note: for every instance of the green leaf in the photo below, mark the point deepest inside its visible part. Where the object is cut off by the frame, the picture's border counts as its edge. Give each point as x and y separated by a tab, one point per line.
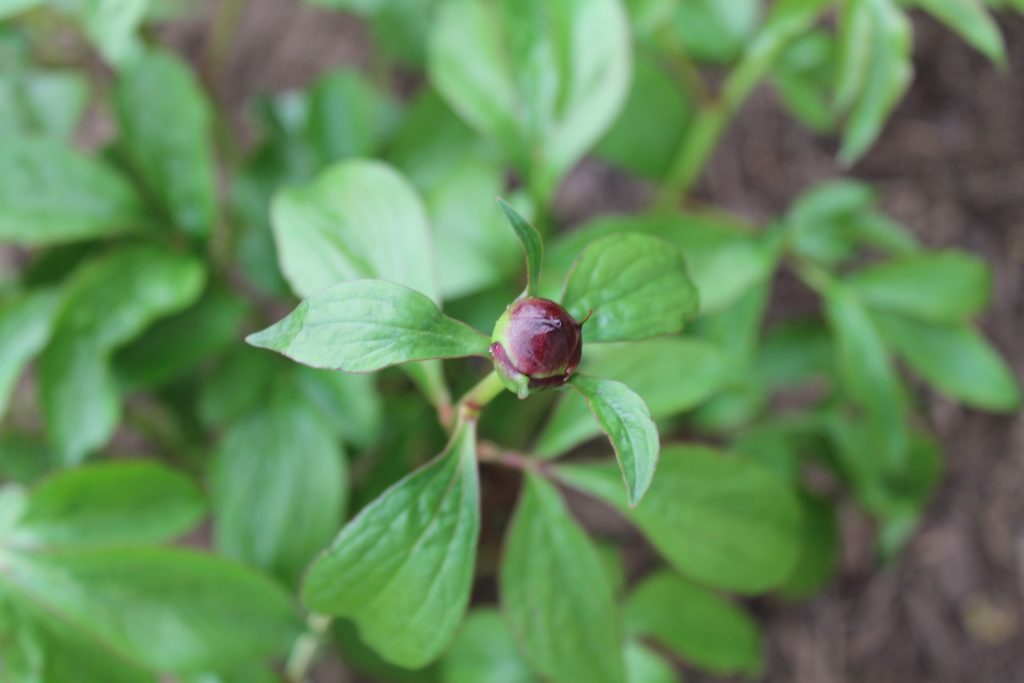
237	384
822	221
727	263
651	126
874	70
484	650
794	352
411	438
644	665
941	287
349	405
25	326
106	303
113	26
475	248
9	8
368	664
721	520
804	75
724	257
819	549
252	673
671	375
714	31
253	248
776	446
51	194
403	567
348	116
166	128
555	593
533	247
701	627
13	501
129	502
611	558
635	285
173	347
398	26
278	486
167	610
25	459
432	140
828	222
402	26
1006	5
910	493
972	20
956	360
544	78
358	219
45	649
866	373
79	397
113	298
895	495
42	103
649	16
368	325
458	175
735	331
624	417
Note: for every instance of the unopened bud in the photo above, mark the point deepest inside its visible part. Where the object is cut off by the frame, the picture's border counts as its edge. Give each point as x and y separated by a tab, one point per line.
536	344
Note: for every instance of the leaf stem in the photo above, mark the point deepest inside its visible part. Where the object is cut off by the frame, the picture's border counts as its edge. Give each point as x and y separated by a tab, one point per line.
219	42
220	39
714	118
812	275
485	391
693	153
488	451
304	651
703	136
683	68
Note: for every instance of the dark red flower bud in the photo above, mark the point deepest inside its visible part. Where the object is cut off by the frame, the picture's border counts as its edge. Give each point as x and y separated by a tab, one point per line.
536	344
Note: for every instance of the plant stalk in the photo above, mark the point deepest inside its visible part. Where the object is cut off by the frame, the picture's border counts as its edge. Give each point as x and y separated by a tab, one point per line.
703	136
712	121
682	67
304	651
485	391
220	40
812	275
488	451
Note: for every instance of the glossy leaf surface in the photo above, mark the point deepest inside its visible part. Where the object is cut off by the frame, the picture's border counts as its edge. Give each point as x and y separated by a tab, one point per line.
555	593
402	568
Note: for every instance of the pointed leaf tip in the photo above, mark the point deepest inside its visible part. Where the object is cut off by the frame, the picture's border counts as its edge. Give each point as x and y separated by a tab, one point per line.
627	421
533	245
368	325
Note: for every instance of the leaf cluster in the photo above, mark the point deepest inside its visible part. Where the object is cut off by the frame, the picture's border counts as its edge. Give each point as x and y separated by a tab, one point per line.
178	503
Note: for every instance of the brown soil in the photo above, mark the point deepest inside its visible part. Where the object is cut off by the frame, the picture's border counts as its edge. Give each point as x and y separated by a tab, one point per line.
950	609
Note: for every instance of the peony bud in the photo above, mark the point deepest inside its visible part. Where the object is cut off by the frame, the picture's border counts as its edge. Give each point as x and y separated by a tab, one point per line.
536	344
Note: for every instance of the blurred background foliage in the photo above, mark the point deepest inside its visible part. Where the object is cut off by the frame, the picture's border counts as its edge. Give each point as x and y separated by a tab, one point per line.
150	217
